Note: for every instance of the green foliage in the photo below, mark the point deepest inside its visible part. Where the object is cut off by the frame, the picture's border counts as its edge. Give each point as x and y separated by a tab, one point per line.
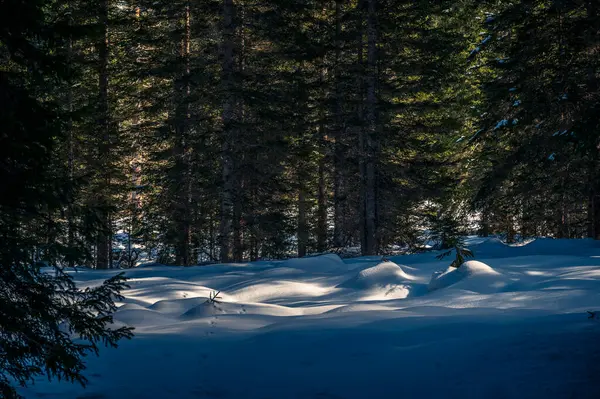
537	150
460	254
48	326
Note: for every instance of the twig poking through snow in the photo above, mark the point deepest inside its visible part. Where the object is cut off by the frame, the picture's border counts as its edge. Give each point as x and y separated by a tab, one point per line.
213	296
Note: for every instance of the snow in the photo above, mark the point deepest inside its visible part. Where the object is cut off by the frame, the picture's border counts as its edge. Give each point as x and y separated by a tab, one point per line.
472	275
477	133
500	124
511	323
475	51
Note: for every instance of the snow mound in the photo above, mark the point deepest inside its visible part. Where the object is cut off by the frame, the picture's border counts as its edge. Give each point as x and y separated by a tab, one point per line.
471	276
317	264
280	271
359	307
142	317
205	309
386	274
175	307
276	290
212	310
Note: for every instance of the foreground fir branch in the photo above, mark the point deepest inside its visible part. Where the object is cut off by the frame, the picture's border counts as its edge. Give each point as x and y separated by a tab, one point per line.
48	326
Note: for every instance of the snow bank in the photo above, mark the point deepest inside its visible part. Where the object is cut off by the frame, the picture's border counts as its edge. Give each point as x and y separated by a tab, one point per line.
176	307
323	319
486	248
472	275
317	264
271	290
382	282
137	317
385	274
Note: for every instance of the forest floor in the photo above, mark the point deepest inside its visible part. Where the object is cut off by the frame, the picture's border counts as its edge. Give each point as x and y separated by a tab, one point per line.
512	324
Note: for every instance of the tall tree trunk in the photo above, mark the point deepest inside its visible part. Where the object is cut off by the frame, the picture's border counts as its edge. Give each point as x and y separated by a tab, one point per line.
302	224
71	148
591	233
361	153
339	194
228	135
322	183
322	209
592	8
485	222
371	134
238	239
182	147
103	241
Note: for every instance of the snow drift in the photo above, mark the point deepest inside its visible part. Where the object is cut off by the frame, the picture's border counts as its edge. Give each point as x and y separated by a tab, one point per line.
385	274
387	280
320	320
471	276
317	264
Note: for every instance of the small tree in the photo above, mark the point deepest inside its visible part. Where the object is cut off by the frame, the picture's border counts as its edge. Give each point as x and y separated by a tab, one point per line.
461	253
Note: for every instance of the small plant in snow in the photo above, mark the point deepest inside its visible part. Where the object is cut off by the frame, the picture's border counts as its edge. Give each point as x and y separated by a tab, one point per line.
212	297
461	254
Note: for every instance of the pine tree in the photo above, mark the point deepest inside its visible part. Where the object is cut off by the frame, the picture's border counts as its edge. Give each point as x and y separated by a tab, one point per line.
47	325
541	126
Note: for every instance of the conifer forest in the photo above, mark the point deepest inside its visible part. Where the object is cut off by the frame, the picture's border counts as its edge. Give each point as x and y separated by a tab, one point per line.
196	133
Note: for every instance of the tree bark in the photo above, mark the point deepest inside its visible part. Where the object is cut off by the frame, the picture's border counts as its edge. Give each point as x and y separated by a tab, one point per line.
361	153
227	139
103	240
371	134
182	147
71	149
339	194
238	233
302	224
322	184
322	209
592	8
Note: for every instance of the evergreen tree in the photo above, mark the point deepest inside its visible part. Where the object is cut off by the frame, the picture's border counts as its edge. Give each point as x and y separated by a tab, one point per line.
47	325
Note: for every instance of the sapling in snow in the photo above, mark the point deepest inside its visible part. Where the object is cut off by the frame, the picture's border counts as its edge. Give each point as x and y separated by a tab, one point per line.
461	253
212	297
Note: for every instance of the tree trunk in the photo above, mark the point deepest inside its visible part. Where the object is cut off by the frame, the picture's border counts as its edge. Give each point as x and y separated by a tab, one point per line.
103	244
322	209
339	194
227	138
485	223
592	8
238	234
371	134
322	184
361	135
302	225
71	151
182	148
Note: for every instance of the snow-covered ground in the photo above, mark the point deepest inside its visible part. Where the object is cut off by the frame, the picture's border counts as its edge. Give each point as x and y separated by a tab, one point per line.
510	324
